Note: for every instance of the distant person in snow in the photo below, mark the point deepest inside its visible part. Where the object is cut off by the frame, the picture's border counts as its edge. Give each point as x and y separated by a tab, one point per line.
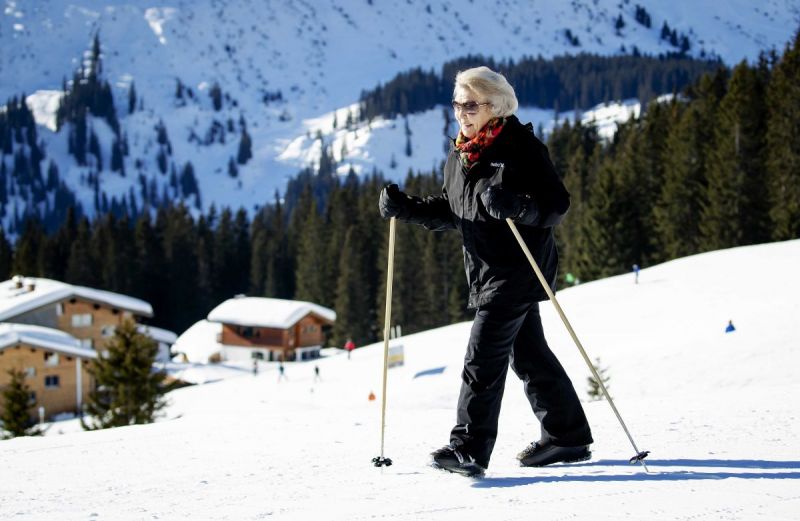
730	328
317	377
635	269
281	372
349	346
498	169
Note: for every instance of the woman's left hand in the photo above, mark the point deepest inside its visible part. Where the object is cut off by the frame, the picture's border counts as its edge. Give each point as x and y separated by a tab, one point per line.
501	203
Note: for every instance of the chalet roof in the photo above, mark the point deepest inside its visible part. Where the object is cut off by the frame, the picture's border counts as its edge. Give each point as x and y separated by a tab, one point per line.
267	312
35	293
43	337
156	333
199	342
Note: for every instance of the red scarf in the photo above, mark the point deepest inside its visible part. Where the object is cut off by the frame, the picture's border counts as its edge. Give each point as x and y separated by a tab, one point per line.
470	150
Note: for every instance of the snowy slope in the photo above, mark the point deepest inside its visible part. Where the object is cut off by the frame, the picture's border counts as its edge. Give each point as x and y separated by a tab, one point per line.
320	56
718	411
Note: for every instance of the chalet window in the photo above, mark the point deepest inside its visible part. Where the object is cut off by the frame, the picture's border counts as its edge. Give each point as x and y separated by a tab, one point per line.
108	331
82	320
87	343
50	359
30	372
59	309
32	398
247	332
52	382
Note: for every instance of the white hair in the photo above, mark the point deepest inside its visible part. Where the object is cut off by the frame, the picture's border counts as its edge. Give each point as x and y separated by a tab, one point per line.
493	85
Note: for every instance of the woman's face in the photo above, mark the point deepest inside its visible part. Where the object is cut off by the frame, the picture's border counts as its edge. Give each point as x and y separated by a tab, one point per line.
470	122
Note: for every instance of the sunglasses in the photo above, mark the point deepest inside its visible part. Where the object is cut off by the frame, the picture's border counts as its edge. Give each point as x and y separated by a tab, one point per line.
470	107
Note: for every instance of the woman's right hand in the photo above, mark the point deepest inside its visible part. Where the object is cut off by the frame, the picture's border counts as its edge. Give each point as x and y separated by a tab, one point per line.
392	201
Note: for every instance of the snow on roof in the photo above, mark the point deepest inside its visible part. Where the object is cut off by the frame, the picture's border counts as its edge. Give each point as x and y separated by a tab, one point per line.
156	333
44	337
199	342
36	292
267	312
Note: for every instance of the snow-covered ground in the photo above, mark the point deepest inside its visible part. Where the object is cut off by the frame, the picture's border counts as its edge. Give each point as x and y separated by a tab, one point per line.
718	411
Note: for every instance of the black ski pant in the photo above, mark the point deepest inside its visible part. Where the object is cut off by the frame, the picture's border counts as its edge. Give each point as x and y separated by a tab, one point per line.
503	335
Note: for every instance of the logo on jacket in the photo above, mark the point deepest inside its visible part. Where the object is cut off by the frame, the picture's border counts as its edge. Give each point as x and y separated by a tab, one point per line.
497	165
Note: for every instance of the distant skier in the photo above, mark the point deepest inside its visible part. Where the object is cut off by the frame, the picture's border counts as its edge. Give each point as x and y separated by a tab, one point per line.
636	273
497	169
255	366
730	328
317	377
281	372
349	346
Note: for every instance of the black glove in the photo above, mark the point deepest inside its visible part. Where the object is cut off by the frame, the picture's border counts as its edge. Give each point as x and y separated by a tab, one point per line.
392	201
502	204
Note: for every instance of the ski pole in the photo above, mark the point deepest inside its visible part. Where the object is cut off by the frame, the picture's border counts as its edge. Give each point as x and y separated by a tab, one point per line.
640	455
380	461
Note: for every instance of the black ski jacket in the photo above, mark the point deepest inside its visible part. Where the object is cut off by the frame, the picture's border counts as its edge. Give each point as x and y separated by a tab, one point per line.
496	267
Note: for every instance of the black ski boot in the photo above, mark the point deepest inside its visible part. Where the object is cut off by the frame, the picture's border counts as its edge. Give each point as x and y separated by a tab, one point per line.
453	459
539	454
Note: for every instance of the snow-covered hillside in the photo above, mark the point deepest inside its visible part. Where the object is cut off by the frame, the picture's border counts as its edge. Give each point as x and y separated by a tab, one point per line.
718	411
316	57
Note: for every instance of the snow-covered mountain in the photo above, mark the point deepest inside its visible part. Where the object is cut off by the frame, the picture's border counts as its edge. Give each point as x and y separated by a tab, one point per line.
286	67
717	410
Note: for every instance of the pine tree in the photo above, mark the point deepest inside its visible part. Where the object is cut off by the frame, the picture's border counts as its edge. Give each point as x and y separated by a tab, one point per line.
245	148
223	263
782	145
677	210
233	170
207	277
409	150
179	238
311	259
735	211
280	277
259	243
117	164
16	415
606	248
26	254
148	277
56	247
216	96
352	309
132	98
594	391
128	390
80	264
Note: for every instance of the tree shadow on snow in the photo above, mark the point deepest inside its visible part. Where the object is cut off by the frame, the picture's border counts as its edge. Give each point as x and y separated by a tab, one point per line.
660	470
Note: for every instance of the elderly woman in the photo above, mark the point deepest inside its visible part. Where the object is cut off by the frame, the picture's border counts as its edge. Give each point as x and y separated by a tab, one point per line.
498	169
